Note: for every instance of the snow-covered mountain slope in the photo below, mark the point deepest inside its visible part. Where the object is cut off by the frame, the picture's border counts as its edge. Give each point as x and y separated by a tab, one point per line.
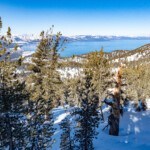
36	37
140	54
72	64
26	38
134	131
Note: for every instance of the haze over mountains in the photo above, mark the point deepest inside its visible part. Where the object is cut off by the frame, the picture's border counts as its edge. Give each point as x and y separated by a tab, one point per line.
36	38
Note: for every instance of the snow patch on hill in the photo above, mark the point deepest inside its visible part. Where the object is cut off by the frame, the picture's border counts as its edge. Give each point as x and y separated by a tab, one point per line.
69	72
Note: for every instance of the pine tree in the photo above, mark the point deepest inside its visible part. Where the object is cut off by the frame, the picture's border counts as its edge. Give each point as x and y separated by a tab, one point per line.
138	90
0	23
88	116
100	70
45	83
11	99
9	32
66	139
69	95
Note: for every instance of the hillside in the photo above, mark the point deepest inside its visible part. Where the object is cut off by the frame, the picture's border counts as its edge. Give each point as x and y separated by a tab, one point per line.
72	65
42	89
141	54
134	57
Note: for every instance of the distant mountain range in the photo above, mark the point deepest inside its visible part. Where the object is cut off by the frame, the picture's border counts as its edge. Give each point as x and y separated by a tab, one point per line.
36	38
142	53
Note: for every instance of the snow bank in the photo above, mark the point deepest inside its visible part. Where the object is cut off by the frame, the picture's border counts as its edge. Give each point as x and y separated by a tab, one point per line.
134	131
148	103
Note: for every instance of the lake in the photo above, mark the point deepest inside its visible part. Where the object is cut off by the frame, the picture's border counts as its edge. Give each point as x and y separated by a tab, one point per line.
79	47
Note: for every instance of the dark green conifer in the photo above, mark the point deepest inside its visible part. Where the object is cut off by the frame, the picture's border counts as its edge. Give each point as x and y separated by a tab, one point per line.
0	23
88	115
12	97
66	139
45	81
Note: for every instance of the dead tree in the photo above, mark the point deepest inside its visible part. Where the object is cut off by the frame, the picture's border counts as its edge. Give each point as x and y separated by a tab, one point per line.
114	118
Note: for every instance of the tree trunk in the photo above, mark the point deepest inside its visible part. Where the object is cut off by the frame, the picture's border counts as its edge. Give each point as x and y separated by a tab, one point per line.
114	118
102	115
114	125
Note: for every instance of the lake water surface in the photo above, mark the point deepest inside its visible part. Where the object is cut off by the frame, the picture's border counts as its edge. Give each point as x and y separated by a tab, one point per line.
79	47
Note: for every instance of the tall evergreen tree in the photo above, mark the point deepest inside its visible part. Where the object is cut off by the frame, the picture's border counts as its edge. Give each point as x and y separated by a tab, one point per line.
12	98
99	66
45	83
88	116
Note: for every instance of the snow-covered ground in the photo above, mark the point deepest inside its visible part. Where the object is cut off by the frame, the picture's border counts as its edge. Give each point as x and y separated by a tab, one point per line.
134	131
69	72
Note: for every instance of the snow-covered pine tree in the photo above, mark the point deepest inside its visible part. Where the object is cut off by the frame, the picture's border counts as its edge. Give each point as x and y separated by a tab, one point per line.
45	81
66	139
12	96
88	115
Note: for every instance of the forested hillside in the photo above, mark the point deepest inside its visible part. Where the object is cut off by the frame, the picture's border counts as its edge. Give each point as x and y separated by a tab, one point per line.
50	102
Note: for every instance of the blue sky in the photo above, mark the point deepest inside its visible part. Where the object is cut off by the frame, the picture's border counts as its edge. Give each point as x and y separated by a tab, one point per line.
77	17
